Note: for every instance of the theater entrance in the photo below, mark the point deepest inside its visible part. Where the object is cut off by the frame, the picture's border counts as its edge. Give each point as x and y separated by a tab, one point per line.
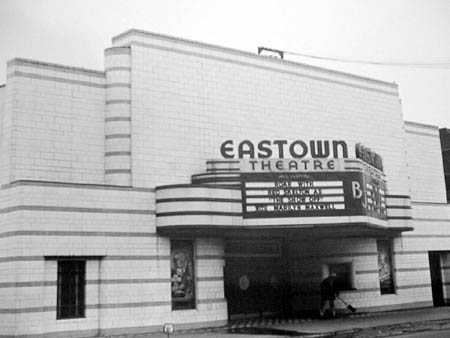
256	279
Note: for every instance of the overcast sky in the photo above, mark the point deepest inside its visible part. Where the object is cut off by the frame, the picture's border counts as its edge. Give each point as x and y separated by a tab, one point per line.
75	33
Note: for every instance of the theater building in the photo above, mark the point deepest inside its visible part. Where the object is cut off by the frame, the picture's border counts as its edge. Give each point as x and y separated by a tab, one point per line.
191	183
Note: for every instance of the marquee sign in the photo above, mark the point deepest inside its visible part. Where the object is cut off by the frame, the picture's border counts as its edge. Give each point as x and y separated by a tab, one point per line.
298	150
299	178
312	194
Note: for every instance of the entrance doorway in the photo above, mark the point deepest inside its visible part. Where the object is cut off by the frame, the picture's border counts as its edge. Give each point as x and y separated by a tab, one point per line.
256	280
437	285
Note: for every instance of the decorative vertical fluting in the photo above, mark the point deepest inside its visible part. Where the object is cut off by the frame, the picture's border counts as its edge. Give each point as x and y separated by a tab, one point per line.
118	116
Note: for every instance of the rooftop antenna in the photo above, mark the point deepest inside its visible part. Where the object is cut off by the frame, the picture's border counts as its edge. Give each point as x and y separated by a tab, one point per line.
270	52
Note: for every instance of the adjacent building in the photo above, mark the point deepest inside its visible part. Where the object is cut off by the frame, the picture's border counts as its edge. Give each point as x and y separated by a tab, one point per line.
191	183
445	145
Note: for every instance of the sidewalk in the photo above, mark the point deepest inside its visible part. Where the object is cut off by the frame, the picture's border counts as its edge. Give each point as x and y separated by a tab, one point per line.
377	324
383	324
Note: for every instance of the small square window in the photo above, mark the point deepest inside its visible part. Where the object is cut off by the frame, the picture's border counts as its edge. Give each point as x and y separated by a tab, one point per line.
344	271
71	289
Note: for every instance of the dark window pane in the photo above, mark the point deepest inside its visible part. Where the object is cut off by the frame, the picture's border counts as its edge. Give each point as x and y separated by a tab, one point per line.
344	273
71	285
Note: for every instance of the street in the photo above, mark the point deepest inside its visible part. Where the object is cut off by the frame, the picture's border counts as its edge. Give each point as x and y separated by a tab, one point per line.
427	334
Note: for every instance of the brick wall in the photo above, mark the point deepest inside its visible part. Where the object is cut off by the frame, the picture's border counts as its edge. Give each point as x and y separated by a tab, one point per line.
128	274
3	155
187	98
425	169
55	115
5	132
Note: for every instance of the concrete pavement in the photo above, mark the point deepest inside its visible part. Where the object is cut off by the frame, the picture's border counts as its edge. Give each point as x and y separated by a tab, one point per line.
406	318
365	325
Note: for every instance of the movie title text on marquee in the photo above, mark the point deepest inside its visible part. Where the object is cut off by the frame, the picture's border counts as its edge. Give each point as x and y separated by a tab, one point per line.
312	194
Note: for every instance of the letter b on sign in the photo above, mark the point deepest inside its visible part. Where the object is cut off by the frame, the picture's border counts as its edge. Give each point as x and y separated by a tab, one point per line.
356	190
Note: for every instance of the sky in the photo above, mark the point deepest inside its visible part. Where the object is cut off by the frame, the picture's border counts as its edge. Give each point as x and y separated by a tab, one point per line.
76	32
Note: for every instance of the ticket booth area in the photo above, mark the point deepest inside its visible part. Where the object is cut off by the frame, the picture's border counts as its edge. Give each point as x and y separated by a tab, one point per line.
280	277
281	226
256	279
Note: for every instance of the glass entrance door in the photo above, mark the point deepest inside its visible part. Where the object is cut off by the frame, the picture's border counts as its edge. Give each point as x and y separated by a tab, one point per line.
256	287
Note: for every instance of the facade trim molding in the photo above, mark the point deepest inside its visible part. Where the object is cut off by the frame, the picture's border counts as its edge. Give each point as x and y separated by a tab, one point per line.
431	220
74	185
137	258
118	118
88	282
118	153
208	257
422	134
426	236
399	196
53	66
88	306
46	233
117	101
75	209
54	79
210	279
198	213
118	85
198	199
424	268
422	125
440	204
203	186
364	272
117	68
122	50
398	207
104	258
114	136
117	171
211	301
413	286
417	252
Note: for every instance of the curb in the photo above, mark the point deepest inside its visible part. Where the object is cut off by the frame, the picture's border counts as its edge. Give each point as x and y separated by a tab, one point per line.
387	330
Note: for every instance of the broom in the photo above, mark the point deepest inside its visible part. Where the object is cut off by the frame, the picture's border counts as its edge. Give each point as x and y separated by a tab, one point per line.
349	307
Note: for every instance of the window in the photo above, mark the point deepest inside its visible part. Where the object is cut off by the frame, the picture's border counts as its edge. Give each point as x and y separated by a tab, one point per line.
70	292
182	275
344	271
385	267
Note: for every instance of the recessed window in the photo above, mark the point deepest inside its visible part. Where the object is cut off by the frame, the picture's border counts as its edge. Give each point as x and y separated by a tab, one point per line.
182	274
71	289
344	271
385	270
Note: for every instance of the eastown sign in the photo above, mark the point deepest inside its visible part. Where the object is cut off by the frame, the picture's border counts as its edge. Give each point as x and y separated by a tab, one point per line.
279	149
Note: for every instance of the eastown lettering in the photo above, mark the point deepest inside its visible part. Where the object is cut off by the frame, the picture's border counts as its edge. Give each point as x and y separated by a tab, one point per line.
279	149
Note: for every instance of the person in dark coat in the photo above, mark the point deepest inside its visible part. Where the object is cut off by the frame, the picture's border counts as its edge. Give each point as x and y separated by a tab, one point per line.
329	290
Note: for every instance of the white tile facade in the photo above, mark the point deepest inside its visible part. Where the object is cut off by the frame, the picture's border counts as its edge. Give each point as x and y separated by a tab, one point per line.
82	151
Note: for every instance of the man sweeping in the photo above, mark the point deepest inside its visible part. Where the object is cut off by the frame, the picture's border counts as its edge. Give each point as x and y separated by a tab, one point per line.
329	290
